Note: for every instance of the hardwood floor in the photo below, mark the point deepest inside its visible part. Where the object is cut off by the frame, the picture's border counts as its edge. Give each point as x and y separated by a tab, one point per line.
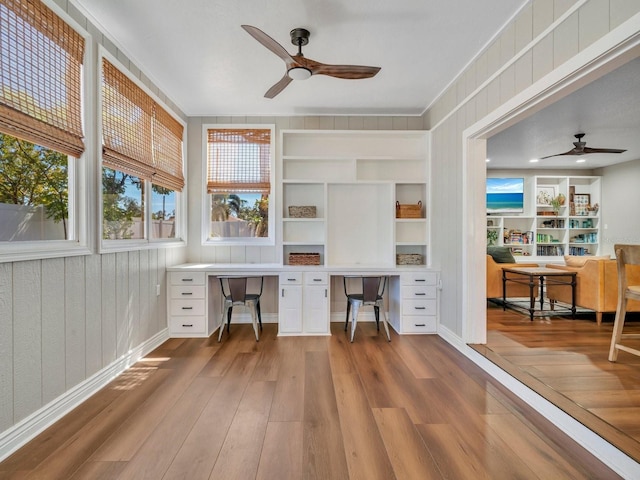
565	361
303	408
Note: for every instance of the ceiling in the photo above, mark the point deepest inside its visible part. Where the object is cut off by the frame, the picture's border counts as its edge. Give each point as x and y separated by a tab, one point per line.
606	110
197	54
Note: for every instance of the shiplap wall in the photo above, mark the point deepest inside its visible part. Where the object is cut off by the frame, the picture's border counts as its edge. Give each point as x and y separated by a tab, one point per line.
64	319
543	36
266	254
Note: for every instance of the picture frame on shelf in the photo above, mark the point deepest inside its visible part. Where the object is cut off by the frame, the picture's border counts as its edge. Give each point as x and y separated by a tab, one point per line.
545	194
581	202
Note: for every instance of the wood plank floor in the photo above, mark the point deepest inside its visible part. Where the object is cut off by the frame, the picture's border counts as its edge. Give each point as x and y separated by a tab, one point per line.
303	408
565	361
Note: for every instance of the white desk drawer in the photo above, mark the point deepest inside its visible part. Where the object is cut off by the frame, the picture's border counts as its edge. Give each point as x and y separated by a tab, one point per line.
419	324
187	307
419	278
187	278
186	325
186	292
292	278
418	307
419	291
313	278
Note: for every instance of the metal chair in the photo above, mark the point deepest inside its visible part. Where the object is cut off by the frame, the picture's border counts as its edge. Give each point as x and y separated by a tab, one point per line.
234	291
625	255
371	293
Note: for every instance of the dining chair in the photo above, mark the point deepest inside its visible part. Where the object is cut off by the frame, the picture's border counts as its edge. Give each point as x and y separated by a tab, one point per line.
234	292
370	293
625	255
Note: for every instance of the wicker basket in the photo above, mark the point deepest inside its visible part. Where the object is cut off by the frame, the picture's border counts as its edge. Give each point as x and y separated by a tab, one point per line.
409	259
409	210
304	259
304	211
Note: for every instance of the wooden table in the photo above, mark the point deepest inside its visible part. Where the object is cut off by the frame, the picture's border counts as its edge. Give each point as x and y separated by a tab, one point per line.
537	276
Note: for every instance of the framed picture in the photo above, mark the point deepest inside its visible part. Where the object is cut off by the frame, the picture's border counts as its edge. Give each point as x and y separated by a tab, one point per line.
581	202
545	194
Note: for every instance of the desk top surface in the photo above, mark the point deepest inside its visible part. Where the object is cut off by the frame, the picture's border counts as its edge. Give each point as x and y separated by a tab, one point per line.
274	268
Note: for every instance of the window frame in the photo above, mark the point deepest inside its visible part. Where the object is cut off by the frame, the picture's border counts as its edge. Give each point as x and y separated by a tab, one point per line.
107	246
79	170
270	240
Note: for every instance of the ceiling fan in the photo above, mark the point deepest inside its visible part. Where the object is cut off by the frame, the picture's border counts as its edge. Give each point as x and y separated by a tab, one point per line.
301	68
580	148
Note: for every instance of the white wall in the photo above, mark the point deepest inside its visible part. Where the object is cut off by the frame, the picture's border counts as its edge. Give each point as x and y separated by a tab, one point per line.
64	319
621	210
548	40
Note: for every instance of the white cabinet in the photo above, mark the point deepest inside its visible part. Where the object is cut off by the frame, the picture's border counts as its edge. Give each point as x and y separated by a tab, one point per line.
316	303
414	302
186	304
304	303
354	179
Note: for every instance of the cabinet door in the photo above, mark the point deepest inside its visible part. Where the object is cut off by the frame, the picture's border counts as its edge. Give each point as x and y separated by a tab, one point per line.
315	309
290	307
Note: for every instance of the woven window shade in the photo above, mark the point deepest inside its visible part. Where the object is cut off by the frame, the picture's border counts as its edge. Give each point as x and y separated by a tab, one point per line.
40	77
139	137
238	160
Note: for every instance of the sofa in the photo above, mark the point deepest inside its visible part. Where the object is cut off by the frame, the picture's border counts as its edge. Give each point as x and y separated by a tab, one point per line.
494	280
596	285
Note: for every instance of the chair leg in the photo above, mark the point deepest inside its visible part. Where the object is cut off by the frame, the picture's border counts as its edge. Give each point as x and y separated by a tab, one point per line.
354	319
224	316
259	314
618	325
346	323
254	320
386	326
376	311
229	319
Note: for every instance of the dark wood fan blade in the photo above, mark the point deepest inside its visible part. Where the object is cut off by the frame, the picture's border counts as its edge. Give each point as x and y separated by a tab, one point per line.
269	42
570	152
278	87
602	150
345	71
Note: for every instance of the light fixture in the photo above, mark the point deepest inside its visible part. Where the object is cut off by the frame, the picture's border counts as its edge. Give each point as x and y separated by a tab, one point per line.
580	160
299	73
534	160
488	160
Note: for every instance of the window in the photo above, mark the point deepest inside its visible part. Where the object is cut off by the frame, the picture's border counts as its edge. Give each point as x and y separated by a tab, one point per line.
41	134
239	165
142	162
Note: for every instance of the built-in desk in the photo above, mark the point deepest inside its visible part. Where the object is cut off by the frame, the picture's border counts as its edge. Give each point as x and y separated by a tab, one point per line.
303	297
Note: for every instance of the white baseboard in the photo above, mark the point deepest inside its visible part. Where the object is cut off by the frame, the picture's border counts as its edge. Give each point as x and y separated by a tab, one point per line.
25	430
615	459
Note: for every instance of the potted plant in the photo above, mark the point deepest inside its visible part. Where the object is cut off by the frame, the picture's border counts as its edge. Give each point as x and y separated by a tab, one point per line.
556	203
492	236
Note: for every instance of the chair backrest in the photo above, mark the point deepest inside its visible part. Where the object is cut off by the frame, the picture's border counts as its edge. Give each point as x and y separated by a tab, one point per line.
625	255
372	288
237	288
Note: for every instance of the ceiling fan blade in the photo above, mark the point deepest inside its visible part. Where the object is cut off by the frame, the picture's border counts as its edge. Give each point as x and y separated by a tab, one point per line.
602	150
337	71
570	152
278	87
269	42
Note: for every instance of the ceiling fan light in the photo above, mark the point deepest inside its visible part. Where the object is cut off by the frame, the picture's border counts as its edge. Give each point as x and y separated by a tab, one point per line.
299	73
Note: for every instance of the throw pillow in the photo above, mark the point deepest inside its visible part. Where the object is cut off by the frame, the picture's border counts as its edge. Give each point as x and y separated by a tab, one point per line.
501	254
580	260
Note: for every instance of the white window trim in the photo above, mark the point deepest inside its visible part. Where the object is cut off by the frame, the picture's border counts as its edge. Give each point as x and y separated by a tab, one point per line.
147	243
81	189
206	197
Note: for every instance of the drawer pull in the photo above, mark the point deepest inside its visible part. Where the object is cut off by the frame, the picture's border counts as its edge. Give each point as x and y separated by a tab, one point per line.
420	324
187	324
317	279
187	293
187	308
420	308
291	279
187	279
420	280
420	294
